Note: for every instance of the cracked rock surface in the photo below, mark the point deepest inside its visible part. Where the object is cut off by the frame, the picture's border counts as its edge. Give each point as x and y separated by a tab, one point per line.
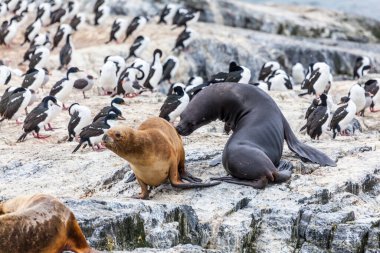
321	209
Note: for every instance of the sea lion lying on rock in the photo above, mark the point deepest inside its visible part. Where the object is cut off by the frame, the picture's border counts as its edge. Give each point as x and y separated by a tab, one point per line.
253	152
155	153
39	223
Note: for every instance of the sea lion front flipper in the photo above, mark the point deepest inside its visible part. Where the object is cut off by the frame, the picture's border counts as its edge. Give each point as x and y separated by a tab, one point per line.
216	161
303	150
144	191
257	184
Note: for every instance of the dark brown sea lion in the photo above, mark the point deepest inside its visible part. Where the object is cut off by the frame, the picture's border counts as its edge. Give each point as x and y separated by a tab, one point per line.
39	224
155	153
253	152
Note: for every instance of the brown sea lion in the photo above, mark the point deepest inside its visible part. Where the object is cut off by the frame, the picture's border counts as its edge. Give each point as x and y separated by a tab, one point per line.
155	153
39	224
253	152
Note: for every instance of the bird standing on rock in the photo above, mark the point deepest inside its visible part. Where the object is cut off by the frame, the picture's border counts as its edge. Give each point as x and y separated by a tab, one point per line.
5	99
138	46
318	79
40	57
357	95
77	21
155	72
298	73
175	103
32	30
80	118
17	103
362	66
109	76
136	25
343	116
93	134
119	27
38	117
5	75
115	106
267	69
62	89
372	86
61	35
170	67
9	32
279	81
66	53
84	84
34	78
129	82
184	39
167	14
317	118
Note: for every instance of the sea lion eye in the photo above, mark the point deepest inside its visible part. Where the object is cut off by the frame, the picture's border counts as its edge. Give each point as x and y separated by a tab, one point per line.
118	135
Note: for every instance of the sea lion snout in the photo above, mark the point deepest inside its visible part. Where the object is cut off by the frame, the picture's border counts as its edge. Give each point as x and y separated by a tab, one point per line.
114	135
184	128
106	139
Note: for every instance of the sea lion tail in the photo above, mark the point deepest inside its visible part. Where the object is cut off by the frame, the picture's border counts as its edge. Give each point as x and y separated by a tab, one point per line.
305	151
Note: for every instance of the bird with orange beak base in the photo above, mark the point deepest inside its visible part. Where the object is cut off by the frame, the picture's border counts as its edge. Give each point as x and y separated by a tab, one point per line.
155	152
39	223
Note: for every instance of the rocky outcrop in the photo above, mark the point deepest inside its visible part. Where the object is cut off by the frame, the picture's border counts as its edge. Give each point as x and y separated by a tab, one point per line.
320	209
276	19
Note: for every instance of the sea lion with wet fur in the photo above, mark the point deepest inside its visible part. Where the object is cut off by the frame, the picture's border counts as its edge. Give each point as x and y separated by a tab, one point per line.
253	152
155	152
39	223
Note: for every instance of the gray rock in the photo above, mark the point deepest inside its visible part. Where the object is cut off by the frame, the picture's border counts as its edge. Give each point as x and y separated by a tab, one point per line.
349	238
118	226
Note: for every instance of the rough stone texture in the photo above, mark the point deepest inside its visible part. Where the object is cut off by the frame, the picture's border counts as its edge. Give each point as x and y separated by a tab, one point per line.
276	19
320	209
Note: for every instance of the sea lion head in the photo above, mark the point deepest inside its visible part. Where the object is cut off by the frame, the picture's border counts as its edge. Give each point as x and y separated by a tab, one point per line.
201	110
118	138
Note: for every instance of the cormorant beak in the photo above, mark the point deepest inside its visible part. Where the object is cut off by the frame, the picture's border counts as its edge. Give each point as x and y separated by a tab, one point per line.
120	118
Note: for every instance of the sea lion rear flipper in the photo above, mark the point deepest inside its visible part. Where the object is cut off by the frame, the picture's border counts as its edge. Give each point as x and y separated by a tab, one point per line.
303	150
257	184
190	178
217	160
183	185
